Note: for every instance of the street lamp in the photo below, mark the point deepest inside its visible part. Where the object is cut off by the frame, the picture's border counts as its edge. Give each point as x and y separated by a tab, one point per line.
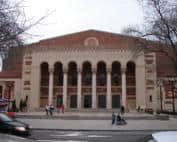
160	84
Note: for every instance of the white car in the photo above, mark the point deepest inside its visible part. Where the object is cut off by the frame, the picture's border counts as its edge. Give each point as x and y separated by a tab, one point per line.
166	136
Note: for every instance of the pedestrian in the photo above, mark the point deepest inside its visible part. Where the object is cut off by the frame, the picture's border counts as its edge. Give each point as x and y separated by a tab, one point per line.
62	108
138	109
122	110
47	109
51	108
118	119
113	118
58	108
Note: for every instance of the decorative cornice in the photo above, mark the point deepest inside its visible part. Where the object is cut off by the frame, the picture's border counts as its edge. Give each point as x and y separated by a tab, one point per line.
77	48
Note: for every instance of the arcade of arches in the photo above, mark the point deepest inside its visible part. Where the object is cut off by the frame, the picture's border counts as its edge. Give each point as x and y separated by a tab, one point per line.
87	87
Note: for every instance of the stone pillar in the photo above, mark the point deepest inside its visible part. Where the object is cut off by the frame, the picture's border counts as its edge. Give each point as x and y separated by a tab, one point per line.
109	98
94	106
34	98
50	98
65	76
141	86
79	89
124	87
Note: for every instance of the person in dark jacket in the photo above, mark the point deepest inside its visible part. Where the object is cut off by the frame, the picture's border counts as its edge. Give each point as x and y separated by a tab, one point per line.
122	110
51	110
47	108
120	120
113	118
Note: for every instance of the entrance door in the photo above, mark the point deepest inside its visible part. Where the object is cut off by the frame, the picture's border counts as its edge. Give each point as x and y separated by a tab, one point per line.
115	101
73	101
101	101
87	101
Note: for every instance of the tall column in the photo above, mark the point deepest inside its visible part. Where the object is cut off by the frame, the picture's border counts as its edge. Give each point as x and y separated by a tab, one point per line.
94	89
124	87
65	76
34	98
79	89
108	98
50	98
141	86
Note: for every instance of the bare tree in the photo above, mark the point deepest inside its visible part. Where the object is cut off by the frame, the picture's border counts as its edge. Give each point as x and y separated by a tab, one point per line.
160	26
13	25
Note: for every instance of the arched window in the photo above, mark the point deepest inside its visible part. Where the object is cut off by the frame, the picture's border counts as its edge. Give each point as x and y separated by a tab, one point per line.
58	74
72	74
87	74
101	74
116	74
44	84
130	68
44	74
130	74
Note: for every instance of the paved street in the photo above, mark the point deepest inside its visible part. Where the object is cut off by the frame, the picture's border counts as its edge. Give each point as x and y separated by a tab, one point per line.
62	124
89	136
94	127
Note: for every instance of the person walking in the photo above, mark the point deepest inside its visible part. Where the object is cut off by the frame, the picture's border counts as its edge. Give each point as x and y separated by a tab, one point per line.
113	118
118	119
58	108
51	108
122	110
47	109
62	108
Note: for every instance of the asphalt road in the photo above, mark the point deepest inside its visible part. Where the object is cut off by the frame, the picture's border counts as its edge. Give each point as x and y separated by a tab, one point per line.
89	136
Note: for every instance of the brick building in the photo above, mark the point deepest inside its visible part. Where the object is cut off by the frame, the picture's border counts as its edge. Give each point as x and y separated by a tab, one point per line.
86	70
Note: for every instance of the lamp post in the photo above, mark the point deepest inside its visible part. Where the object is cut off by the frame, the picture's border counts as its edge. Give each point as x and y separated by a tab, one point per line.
160	84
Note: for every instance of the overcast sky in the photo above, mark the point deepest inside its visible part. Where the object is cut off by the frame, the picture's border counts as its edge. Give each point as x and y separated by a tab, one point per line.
68	16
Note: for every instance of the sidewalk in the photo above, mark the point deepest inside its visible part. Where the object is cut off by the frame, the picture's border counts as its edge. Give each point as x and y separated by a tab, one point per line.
84	115
95	121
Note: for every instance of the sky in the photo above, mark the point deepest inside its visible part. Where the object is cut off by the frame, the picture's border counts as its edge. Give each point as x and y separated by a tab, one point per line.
69	16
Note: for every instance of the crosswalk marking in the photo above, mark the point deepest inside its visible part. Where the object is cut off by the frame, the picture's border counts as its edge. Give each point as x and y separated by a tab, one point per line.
73	134
78	134
97	136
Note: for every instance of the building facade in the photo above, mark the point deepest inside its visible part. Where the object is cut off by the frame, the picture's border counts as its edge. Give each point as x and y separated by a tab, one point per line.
87	70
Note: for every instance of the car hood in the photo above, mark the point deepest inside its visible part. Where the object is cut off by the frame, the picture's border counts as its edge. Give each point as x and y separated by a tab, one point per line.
169	136
16	123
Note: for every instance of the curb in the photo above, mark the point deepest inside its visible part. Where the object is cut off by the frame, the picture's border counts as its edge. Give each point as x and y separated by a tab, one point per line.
89	118
128	130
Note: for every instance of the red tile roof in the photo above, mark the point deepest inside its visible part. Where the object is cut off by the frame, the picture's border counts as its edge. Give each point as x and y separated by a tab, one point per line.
104	38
